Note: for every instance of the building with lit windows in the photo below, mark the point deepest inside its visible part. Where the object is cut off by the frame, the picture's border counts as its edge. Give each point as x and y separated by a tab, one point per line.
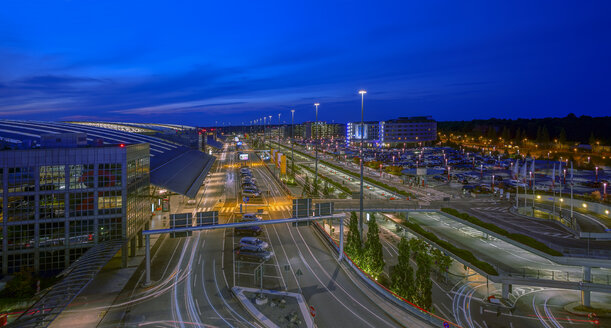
56	203
368	132
393	133
69	188
408	130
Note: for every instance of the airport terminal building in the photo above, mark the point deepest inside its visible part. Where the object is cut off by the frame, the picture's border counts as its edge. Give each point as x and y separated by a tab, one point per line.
68	188
58	202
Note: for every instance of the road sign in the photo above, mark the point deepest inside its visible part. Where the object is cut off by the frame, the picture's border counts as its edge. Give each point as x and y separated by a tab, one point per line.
312	311
207	218
302	208
323	209
180	220
299	273
245	199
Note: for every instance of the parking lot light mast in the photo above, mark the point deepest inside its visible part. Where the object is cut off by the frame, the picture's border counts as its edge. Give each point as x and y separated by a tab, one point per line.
270	132
316	151
279	124
264	119
362	93
292	141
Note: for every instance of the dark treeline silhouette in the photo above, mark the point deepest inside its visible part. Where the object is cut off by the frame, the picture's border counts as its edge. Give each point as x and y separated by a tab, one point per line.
583	129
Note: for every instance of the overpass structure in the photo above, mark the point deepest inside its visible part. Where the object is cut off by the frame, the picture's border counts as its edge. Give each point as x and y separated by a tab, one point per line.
516	263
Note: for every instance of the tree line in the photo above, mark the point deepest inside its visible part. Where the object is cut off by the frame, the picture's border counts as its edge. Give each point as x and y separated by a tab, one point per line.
582	129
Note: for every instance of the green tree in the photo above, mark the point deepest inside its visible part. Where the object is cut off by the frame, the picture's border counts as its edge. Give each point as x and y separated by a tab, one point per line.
402	275
505	134
592	140
374	256
562	137
423	283
545	135
22	285
491	134
417	245
353	242
325	189
306	187
442	261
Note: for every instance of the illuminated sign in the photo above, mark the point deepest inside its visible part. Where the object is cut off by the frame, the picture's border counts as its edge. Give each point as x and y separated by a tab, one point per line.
243	157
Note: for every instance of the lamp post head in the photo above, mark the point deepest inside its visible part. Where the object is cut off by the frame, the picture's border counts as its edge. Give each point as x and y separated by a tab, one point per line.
316	104
362	92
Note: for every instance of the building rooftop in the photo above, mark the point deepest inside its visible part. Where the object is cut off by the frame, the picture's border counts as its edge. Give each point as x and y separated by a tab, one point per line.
174	167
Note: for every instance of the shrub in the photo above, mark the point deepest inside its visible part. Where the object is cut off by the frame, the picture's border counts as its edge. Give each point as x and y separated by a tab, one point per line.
462	253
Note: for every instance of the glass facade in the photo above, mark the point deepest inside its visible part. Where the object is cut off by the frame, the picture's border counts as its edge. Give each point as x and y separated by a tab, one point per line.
56	203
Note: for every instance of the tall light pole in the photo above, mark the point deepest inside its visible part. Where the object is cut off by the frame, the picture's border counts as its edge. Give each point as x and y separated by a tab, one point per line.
264	120
279	124
269	122
292	141
316	151
362	93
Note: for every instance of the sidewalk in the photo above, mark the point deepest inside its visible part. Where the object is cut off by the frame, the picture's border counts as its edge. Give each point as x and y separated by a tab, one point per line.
89	308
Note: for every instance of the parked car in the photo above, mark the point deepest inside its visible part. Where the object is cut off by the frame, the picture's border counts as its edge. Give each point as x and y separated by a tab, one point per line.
251	192
248	231
253	243
250	217
248	254
249	185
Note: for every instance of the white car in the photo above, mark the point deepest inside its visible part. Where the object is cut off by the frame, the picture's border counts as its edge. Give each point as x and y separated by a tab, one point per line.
253	243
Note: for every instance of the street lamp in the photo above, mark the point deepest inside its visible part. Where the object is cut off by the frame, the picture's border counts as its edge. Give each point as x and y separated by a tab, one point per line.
362	93
279	125
316	151
493	183
264	121
597	174
292	141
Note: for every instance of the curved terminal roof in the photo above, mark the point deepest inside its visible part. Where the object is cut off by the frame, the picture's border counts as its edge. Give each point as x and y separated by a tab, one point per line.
137	127
173	166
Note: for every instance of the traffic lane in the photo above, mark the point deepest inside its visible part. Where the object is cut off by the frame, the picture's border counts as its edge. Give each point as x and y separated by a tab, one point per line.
587	223
324	284
322	276
212	292
507	258
315	285
136	304
544	231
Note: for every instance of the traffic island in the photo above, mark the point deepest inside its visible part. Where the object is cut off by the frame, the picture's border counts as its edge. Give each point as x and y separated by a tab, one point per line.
276	308
598	310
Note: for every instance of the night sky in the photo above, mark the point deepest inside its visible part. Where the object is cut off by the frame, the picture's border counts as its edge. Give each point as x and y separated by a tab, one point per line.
201	62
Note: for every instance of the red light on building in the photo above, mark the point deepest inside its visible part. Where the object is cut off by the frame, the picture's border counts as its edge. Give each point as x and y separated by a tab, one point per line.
122	145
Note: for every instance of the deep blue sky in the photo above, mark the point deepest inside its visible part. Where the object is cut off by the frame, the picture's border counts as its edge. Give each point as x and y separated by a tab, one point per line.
197	62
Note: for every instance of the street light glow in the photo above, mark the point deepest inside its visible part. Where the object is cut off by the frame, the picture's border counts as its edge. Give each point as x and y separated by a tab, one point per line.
362	92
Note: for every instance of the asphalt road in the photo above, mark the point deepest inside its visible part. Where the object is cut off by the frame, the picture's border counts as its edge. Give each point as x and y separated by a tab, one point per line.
192	276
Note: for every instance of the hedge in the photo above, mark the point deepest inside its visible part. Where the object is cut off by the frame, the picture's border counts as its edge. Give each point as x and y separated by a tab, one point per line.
520	238
460	252
335	184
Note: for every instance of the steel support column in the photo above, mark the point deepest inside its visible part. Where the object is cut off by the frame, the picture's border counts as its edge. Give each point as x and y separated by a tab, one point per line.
341	239
585	293
147	259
